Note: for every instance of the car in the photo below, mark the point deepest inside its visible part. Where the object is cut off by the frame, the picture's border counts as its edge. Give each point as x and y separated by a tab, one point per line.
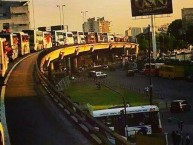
100	74
130	73
179	106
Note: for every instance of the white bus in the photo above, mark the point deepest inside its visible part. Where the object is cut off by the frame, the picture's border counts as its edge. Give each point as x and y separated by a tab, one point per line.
79	37
58	37
139	119
35	39
68	38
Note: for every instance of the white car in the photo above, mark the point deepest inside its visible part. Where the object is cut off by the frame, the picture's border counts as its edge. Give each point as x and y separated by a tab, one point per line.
100	74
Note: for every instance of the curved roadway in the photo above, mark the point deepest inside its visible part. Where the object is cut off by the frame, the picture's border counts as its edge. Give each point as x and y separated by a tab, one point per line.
29	121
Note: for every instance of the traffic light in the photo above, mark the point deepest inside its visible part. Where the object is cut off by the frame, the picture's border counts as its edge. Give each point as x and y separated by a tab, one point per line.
180	125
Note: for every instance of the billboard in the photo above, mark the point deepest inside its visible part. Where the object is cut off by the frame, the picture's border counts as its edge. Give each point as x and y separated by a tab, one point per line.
151	7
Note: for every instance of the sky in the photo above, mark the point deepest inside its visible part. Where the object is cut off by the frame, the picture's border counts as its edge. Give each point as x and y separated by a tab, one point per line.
47	13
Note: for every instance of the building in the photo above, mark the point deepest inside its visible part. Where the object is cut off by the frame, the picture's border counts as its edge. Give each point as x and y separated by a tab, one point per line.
100	25
187	17
14	15
133	31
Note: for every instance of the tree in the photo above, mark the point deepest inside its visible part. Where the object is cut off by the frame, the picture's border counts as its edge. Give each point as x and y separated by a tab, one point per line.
189	34
175	29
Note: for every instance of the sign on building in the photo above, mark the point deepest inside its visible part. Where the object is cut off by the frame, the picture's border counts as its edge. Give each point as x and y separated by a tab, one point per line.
151	7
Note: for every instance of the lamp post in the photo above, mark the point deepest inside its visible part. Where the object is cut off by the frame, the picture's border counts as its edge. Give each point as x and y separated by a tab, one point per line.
99	84
150	79
63	14
60	15
82	16
85	14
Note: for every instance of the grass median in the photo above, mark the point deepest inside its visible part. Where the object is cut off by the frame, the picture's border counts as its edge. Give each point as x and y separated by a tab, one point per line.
88	93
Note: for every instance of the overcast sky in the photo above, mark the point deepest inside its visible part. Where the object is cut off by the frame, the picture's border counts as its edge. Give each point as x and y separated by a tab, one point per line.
116	11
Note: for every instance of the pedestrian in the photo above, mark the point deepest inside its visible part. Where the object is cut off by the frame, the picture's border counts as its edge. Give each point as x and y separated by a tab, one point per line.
173	135
187	139
178	138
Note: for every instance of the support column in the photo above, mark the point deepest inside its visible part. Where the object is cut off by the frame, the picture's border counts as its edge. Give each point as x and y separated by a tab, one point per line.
68	66
50	71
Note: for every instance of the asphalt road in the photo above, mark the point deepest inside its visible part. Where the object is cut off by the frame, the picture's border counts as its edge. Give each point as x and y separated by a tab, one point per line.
166	90
29	121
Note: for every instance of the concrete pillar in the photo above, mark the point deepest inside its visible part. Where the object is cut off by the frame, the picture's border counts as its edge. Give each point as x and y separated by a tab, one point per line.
68	66
50	71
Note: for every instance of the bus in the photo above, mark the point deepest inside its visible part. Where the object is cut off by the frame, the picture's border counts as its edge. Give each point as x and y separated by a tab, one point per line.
79	37
11	45
47	40
23	43
139	119
91	37
35	39
171	71
68	38
3	58
154	69
57	37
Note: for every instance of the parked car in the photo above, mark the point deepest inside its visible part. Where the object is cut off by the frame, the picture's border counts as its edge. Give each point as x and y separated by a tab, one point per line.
99	74
130	73
179	106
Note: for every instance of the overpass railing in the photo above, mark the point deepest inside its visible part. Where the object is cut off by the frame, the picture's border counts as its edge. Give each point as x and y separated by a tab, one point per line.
93	129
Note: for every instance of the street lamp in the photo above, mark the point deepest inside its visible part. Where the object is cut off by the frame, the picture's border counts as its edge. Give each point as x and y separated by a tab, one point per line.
82	16
150	79
85	14
60	15
63	14
99	84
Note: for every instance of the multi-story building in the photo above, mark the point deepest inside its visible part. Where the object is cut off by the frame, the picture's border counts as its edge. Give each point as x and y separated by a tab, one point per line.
133	31
100	25
14	15
187	17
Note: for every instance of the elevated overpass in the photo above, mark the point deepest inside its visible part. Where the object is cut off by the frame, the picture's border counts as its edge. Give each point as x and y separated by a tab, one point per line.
91	128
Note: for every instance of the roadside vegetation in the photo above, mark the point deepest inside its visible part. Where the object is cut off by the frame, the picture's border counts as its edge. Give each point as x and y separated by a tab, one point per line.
101	98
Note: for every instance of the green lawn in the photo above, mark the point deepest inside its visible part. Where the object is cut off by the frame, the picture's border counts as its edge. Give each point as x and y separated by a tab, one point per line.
102	98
